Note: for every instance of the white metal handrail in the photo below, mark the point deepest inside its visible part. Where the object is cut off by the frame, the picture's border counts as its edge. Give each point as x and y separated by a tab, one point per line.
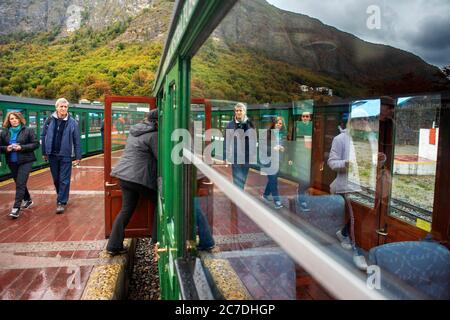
336	278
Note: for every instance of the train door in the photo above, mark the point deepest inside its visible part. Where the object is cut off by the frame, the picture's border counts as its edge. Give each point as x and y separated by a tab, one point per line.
142	221
170	201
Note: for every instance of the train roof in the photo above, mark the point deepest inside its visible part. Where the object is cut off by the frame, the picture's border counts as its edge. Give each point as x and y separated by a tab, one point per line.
44	102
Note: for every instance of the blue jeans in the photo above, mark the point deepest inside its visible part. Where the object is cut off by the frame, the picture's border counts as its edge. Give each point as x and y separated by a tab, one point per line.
61	169
240	173
272	187
204	231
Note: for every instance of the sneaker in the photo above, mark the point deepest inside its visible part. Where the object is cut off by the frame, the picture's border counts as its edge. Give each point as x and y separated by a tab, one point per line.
304	207
278	205
60	208
265	198
345	241
14	213
360	262
26	204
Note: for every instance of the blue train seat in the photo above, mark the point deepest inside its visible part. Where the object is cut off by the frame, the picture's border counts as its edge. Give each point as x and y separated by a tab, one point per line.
423	265
326	213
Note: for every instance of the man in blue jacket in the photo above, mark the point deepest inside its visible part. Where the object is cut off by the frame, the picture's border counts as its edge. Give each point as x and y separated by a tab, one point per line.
240	145
60	140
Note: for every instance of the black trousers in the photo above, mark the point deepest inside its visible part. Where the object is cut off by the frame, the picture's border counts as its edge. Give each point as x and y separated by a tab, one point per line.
131	192
20	173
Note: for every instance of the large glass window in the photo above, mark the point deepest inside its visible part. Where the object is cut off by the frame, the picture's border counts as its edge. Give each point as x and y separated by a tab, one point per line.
416	149
341	173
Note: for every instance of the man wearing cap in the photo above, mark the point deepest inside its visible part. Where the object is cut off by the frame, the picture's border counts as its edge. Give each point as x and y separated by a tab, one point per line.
137	174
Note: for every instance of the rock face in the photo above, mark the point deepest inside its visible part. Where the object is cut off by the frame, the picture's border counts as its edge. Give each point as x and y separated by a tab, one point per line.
151	25
43	15
307	42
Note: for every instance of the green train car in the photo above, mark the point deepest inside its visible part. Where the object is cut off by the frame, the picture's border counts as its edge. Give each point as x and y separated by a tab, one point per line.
88	116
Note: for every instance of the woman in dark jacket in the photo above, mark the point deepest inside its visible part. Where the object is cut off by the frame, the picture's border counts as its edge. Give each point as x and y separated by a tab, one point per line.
19	143
137	176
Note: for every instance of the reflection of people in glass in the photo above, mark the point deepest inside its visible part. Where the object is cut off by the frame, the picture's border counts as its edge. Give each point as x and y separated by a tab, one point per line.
234	151
121	124
343	159
304	126
206	240
272	180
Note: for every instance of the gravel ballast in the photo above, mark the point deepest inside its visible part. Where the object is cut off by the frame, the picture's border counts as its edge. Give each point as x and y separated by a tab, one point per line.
144	282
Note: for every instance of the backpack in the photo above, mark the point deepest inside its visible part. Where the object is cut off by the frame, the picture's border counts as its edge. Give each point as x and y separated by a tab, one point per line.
46	125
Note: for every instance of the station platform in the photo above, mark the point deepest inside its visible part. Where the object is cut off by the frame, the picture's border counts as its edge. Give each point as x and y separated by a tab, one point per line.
44	255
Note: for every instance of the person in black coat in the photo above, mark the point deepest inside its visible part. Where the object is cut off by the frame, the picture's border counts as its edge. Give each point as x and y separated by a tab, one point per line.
137	174
240	155
18	143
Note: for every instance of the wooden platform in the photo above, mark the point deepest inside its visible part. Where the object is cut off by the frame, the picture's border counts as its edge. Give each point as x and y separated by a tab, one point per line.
48	256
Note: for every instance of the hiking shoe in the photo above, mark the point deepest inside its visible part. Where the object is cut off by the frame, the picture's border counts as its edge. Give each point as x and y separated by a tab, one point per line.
14	213
278	205
26	204
345	241
206	248
60	208
116	252
360	262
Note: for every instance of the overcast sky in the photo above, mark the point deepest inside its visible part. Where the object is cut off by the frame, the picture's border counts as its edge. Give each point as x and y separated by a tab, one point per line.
419	26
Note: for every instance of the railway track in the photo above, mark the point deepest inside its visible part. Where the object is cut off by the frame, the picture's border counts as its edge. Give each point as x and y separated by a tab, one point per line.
399	208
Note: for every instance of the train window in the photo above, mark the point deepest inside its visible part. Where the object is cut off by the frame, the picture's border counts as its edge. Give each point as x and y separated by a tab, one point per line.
415	158
43	115
95	122
32	121
302	113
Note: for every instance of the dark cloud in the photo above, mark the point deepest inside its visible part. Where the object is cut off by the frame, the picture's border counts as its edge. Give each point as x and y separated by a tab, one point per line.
418	26
434	33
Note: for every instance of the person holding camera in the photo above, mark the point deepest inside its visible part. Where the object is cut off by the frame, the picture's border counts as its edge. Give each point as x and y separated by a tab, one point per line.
18	142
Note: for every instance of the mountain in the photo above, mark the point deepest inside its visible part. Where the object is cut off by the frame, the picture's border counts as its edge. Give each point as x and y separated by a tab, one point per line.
34	16
259	53
306	42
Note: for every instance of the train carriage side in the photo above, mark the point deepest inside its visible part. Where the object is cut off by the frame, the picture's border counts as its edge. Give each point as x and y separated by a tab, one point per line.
36	112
